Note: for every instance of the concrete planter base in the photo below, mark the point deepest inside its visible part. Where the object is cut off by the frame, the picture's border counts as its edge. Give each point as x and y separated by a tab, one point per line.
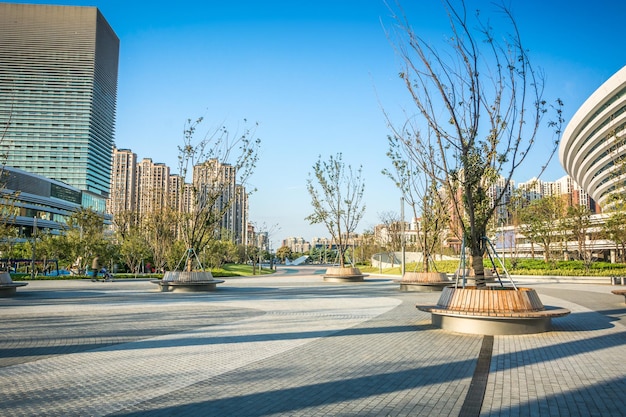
187	281
346	274
492	311
8	288
424	281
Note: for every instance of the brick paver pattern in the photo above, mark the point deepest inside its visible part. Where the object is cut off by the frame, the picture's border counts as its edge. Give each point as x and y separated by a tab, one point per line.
293	345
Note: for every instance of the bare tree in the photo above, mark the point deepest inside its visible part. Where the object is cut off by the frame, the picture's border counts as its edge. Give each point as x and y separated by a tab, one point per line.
479	108
8	198
421	195
337	198
221	162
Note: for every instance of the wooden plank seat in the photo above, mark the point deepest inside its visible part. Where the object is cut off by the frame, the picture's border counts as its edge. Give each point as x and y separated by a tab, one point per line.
495	302
492	310
620	292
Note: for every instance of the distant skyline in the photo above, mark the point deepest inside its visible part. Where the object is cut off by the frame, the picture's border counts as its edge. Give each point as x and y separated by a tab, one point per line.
316	77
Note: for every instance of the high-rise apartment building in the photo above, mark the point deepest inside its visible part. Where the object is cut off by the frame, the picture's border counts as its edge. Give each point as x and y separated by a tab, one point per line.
58	94
215	184
145	187
240	225
123	182
153	181
565	187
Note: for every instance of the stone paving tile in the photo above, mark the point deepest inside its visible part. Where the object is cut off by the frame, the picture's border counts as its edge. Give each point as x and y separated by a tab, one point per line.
393	364
155	366
575	370
294	346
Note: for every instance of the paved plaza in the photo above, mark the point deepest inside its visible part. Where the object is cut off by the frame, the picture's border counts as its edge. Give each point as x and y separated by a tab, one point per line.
291	344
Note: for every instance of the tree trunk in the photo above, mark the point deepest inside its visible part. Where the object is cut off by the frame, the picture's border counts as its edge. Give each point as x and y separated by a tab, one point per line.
341	257
479	271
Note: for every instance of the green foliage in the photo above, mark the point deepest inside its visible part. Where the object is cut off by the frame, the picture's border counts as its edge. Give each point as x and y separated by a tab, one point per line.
134	249
524	267
283	253
84	239
219	252
242	270
539	221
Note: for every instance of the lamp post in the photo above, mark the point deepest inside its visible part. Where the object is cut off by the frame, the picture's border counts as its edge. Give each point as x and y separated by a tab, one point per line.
32	261
402	240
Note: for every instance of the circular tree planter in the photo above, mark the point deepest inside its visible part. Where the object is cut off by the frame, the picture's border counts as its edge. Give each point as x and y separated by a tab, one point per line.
345	274
424	281
187	281
492	311
8	288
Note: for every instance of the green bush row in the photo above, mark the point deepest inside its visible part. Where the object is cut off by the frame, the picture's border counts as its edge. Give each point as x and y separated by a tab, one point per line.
521	267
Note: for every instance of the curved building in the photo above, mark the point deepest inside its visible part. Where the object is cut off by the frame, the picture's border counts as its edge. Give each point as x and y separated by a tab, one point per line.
593	147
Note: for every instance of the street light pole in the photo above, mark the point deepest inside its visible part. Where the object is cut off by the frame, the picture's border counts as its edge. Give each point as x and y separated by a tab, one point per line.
32	261
402	240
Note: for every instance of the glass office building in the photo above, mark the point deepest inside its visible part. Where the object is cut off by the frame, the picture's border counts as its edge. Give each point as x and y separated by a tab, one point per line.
58	94
26	197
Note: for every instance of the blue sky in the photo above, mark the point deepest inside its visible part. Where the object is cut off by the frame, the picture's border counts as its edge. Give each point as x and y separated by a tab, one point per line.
315	75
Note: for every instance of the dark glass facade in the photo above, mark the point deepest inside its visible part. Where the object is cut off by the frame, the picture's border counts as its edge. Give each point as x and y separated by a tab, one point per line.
58	94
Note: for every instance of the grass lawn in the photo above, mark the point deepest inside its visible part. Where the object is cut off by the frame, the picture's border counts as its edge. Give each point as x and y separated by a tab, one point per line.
228	270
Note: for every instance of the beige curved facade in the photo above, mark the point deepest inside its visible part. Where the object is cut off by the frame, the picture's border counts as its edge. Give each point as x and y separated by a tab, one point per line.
595	139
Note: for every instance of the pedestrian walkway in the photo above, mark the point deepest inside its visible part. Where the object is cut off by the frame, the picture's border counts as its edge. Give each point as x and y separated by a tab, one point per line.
293	345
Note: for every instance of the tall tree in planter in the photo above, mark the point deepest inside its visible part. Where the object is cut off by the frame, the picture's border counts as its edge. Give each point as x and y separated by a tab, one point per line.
336	191
211	198
480	107
421	195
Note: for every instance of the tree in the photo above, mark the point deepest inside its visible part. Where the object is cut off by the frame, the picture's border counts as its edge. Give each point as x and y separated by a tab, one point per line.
540	223
84	237
159	233
577	223
367	246
134	249
8	212
421	195
615	228
222	162
392	225
336	192
219	252
284	253
479	110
